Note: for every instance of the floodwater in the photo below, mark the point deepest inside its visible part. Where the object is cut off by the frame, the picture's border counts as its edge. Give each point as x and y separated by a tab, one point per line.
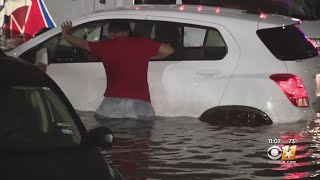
186	148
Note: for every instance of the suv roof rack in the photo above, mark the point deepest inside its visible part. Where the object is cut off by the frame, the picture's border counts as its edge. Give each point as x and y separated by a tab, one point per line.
178	2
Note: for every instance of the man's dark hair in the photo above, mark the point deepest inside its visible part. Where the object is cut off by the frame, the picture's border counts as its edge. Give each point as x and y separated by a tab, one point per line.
116	27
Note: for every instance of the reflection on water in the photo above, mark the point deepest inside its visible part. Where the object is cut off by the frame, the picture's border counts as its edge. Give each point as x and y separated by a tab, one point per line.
186	148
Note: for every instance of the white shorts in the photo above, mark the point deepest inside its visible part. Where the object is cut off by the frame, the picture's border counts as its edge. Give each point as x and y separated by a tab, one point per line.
124	108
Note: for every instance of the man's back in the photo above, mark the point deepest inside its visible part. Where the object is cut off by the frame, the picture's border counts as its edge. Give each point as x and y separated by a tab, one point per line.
126	63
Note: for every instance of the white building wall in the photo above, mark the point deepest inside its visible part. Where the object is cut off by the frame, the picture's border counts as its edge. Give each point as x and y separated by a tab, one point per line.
63	10
123	3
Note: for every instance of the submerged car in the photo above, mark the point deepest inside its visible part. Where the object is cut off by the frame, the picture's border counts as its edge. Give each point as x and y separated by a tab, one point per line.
41	135
224	60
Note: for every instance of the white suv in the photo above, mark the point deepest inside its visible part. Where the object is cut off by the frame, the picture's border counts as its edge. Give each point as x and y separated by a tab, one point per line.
261	67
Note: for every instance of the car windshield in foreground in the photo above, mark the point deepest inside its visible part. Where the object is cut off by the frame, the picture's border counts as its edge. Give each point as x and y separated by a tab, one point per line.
35	118
287	43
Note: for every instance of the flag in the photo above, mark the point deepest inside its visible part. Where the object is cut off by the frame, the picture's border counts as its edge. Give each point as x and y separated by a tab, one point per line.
28	16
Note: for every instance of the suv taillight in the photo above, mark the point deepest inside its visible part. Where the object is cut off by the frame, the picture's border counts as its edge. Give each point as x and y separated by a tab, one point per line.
293	87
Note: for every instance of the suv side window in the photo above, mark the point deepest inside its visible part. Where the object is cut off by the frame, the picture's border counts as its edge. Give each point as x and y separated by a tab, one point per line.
202	43
60	51
193	37
190	42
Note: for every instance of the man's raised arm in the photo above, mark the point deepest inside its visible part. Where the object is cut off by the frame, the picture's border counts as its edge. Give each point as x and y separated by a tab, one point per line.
67	30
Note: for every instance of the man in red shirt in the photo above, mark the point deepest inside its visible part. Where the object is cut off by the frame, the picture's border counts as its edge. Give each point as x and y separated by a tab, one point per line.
125	60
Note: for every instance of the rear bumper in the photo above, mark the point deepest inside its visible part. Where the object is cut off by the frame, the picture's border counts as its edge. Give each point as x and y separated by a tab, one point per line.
282	112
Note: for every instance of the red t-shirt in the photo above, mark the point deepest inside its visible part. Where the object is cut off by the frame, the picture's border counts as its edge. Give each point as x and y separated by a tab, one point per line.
126	64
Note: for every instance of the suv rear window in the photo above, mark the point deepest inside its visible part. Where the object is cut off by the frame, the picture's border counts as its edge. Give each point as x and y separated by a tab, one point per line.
287	43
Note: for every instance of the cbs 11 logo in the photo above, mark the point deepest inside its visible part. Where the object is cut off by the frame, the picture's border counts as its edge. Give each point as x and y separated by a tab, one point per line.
286	153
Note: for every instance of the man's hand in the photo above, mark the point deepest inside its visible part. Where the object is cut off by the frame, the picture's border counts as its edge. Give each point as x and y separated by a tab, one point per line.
66	28
164	51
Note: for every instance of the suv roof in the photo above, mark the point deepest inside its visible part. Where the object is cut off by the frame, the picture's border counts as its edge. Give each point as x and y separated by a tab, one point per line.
205	13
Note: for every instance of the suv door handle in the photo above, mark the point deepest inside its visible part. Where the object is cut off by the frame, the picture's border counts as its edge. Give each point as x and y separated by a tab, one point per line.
208	72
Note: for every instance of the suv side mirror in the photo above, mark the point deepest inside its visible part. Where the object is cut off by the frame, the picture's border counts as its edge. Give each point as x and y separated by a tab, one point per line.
101	136
42	59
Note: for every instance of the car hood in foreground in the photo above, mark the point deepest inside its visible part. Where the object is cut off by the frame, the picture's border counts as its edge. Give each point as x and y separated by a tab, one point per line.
81	163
